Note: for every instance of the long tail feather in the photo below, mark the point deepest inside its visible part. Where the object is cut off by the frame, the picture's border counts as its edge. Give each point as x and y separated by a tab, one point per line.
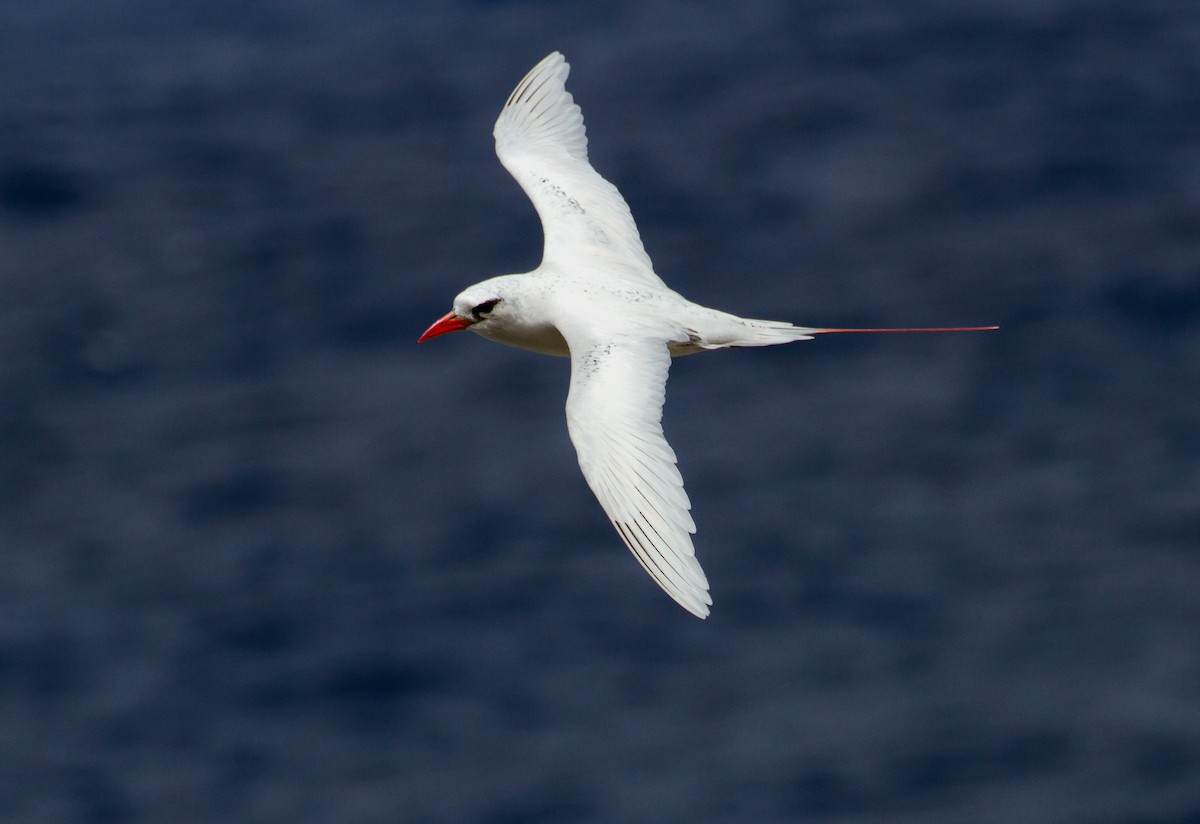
918	329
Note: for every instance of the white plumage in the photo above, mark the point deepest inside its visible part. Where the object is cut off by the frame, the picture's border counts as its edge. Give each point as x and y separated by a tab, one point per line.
540	139
596	298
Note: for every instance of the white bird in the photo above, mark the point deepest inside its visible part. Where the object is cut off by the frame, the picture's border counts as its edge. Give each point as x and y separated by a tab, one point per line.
595	298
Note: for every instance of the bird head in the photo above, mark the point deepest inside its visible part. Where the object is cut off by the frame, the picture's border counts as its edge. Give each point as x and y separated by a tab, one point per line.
509	309
474	306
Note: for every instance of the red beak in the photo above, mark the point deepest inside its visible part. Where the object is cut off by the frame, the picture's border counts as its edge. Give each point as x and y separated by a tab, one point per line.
448	322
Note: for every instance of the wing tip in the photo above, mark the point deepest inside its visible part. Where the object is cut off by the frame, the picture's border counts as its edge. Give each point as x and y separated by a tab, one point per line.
553	66
687	587
541	113
554	59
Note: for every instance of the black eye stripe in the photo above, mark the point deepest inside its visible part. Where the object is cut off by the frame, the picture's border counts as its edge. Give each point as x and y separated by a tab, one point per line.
485	307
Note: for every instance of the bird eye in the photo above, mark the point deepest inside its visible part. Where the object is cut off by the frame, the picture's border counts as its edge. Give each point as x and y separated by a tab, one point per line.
485	308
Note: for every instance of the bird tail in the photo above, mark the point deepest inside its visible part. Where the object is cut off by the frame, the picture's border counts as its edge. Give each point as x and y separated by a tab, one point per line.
749	332
773	332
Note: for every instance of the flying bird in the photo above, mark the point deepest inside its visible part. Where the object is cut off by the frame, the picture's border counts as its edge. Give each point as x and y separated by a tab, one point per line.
596	299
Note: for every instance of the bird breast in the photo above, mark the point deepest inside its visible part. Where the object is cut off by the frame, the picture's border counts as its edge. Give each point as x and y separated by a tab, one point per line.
542	338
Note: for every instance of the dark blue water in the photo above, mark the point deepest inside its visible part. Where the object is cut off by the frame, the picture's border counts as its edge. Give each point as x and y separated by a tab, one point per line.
263	559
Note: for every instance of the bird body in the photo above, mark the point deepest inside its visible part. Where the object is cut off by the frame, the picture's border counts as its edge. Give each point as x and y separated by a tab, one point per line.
540	307
596	299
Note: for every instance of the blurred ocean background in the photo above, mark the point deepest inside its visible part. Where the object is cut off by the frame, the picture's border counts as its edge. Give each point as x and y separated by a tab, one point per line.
263	559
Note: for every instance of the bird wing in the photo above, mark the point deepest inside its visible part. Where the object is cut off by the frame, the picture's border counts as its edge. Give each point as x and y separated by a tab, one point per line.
541	140
614	416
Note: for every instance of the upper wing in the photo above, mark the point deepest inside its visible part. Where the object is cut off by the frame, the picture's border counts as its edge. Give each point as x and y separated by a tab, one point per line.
540	139
614	415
